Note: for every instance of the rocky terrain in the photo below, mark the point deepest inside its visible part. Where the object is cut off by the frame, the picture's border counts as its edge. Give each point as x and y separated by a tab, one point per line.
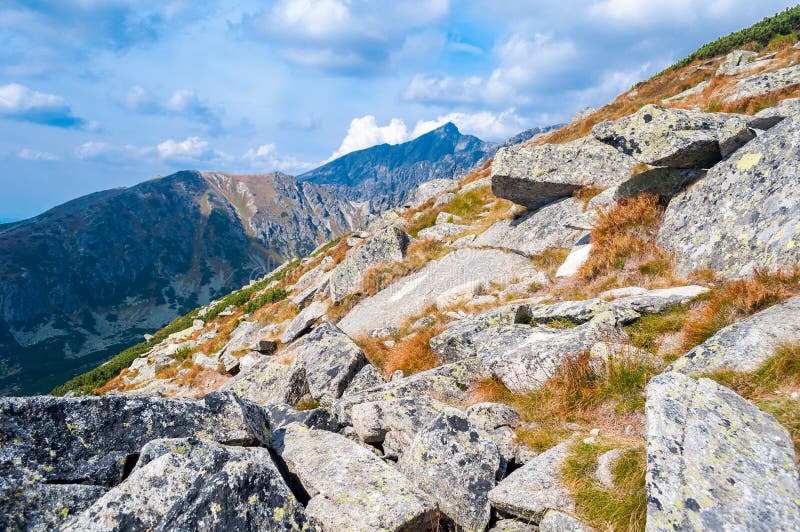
72	295
597	330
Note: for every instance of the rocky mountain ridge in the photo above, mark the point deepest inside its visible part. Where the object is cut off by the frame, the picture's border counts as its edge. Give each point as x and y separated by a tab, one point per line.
598	330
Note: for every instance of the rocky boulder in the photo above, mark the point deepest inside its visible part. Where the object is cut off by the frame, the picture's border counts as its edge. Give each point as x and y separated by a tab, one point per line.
411	295
303	321
761	84
675	138
190	484
272	380
733	60
767	118
661	181
534	176
745	345
26	504
715	461
660	300
385	246
458	466
745	213
349	487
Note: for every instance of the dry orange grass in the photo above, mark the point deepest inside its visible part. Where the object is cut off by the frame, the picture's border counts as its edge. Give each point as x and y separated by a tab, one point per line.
411	354
484	171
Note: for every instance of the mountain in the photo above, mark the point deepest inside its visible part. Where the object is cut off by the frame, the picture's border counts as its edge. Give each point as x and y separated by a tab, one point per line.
385	174
89	277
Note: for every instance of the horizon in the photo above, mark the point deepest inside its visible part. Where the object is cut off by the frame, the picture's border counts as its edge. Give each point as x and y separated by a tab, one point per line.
117	96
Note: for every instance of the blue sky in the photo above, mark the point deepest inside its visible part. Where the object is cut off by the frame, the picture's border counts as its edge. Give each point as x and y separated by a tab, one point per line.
96	94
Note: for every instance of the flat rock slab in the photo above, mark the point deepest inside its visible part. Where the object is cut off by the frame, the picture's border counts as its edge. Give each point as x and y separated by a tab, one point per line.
443	230
577	257
457	465
675	138
761	84
535	488
745	345
715	461
350	487
534	176
88	440
534	232
386	245
555	521
411	295
189	484
303	321
455	342
767	118
660	300
745	213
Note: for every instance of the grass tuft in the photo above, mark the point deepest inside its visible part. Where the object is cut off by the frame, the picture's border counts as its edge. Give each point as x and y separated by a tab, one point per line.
411	354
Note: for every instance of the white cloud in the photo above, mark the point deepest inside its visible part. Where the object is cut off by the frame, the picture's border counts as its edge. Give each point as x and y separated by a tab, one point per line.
484	125
18	102
36	155
182	103
189	150
266	158
365	132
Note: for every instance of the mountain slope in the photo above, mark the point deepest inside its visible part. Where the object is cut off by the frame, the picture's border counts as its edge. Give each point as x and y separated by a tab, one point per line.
86	278
385	174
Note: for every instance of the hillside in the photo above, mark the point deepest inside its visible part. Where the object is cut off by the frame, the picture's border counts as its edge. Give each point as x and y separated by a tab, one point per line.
598	329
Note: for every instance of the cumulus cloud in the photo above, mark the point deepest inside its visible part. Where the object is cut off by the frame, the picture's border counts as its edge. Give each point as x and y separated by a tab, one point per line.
18	102
36	155
265	158
341	36
365	132
192	150
183	103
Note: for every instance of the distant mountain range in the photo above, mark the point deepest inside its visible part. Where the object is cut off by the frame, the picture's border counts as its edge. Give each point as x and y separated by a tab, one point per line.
87	278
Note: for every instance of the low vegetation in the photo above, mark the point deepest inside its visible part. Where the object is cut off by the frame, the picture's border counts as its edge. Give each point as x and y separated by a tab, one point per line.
410	354
648	331
620	507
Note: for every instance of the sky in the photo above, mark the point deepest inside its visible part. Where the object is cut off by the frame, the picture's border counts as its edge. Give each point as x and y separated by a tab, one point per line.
98	94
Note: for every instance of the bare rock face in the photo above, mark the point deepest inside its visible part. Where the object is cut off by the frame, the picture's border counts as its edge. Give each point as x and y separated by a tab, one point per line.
767	118
462	490
760	84
534	176
385	246
745	345
350	487
29	505
303	321
190	484
746	211
675	138
715	461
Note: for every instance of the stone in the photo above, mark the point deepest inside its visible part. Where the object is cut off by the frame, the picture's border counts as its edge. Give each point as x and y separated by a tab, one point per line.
534	232
387	245
580	312
190	484
770	117
242	337
459	294
302	298
662	181
330	360
229	364
761	84
430	189
534	176
744	214
89	440
661	300
491	416
555	521
456	465
525	357
535	487
455	342
747	344
513	525
444	199
412	295
349	487
383	332
676	138
449	383
697	89
270	381
577	257
442	230
303	321
604	474
29	505
263	343
367	378
715	461
446	217
734	60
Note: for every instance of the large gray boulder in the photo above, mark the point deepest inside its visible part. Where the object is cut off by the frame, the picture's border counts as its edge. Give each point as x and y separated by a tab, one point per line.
350	487
734	60
767	118
458	466
745	345
242	337
662	181
525	357
272	379
190	484
301	323
660	300
411	295
534	232
536	487
761	84
367	377
91	440
450	383
384	246
676	138
330	360
745	213
555	521
715	461
534	176
26	504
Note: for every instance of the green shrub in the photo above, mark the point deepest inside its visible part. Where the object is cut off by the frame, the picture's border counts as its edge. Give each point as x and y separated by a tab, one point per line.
276	294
